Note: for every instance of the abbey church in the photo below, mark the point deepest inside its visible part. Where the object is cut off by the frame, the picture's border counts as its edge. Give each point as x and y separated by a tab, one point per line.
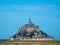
31	32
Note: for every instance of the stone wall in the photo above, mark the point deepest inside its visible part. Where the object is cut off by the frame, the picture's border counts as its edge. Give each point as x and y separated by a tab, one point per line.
29	42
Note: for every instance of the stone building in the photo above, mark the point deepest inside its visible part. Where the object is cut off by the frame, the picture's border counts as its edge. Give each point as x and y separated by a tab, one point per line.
30	32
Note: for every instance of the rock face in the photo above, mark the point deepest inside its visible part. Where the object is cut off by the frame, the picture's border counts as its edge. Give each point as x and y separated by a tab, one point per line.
30	32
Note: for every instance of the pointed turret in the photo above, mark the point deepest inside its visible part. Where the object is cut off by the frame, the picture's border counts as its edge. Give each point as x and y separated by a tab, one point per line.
29	20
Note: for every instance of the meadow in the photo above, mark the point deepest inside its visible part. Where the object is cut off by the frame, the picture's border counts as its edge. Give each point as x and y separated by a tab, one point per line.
29	42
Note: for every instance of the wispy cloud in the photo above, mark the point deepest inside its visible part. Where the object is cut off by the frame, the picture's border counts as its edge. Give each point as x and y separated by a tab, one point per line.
31	9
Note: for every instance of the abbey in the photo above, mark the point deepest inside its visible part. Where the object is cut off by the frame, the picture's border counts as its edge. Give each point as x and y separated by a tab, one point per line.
30	32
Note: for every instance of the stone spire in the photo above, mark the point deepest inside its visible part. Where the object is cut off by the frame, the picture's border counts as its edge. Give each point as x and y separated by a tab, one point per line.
29	20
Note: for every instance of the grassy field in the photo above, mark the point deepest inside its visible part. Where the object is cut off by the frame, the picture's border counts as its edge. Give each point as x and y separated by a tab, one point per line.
29	42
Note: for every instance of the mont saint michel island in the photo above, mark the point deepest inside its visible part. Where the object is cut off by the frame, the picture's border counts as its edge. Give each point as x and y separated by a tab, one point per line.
30	32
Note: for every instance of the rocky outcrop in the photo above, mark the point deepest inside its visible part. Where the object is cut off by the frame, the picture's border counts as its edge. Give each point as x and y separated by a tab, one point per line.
30	31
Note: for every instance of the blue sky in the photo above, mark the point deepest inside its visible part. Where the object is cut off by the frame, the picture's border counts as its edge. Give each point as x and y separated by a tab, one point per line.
16	13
